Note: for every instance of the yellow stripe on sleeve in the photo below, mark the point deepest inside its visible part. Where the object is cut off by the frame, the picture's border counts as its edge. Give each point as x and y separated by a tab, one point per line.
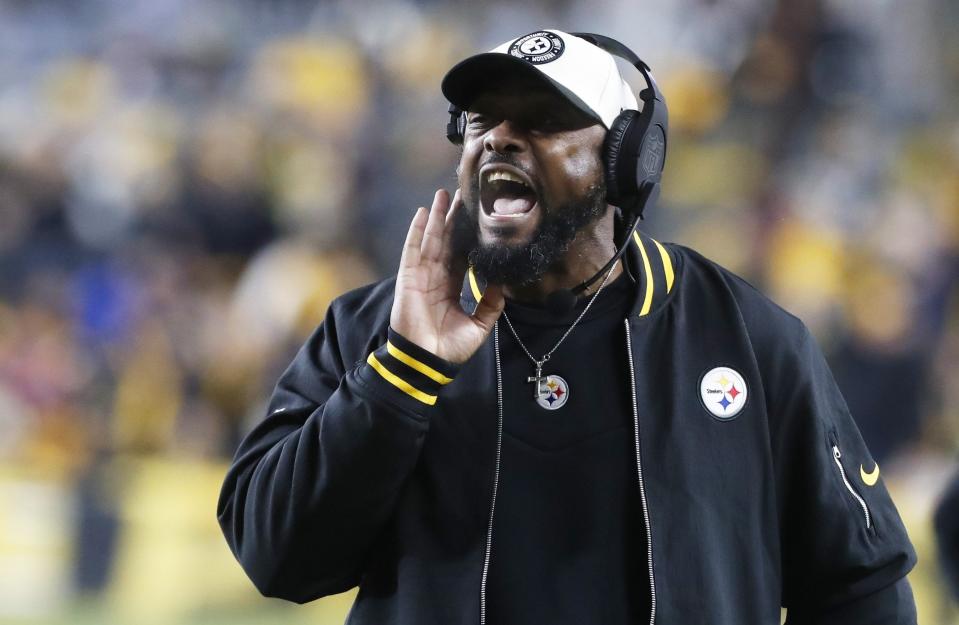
477	294
399	382
648	301
667	265
422	367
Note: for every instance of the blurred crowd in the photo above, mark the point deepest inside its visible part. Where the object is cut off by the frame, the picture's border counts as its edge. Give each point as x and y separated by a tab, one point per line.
185	185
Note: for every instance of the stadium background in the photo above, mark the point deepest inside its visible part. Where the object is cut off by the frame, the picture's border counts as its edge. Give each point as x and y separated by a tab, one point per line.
184	186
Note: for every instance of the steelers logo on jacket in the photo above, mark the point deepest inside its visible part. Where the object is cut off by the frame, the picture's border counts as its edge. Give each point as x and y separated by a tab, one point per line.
723	392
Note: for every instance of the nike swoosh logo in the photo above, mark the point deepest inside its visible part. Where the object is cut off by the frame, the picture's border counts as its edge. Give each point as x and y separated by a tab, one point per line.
869	479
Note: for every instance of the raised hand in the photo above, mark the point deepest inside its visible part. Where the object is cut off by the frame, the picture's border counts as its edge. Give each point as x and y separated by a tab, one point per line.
426	307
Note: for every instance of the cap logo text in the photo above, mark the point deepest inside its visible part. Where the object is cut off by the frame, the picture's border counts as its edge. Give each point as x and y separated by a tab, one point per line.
538	48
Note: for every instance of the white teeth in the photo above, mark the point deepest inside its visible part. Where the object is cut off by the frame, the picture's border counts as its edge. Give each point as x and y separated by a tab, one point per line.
504	175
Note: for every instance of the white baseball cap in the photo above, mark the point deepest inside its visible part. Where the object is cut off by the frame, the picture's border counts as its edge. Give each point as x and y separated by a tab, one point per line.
583	73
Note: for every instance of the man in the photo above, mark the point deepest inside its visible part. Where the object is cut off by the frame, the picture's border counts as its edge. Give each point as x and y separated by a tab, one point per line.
672	449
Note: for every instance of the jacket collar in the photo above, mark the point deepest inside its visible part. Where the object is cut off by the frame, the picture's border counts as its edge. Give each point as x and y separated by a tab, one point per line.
656	271
654	267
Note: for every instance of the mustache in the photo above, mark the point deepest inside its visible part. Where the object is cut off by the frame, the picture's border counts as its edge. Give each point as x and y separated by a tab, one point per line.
496	158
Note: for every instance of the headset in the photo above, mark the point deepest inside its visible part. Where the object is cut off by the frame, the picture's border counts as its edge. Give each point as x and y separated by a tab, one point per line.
634	152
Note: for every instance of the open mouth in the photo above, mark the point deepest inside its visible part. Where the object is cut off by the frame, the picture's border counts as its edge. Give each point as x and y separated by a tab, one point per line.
505	192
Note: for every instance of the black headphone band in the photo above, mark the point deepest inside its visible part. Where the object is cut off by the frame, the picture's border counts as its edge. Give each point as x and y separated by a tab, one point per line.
619	49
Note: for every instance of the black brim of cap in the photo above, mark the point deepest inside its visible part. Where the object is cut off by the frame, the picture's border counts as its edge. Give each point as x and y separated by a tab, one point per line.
471	77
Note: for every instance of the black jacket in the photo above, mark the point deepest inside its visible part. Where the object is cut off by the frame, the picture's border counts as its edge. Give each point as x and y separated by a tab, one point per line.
378	462
946	521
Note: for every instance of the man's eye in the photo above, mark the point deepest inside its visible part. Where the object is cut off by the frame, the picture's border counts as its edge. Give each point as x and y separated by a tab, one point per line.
478	121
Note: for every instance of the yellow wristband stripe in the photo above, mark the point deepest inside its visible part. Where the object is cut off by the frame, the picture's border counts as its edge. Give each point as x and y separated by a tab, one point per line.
648	300
399	382
413	363
667	265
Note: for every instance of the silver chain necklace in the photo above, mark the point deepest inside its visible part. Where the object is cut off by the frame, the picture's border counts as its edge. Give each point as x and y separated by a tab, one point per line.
541	388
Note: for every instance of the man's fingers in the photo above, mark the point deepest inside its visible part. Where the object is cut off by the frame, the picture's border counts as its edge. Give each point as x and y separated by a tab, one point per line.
432	247
455	207
414	238
490	306
455	204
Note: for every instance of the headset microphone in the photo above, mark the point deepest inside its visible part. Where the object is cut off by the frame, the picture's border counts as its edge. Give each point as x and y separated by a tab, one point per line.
562	301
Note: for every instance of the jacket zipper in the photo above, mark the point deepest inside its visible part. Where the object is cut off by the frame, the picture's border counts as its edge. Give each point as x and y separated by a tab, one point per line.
499	449
836	455
496	472
642	483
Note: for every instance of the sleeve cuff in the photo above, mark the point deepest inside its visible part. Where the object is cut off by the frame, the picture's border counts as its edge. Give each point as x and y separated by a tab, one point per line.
411	369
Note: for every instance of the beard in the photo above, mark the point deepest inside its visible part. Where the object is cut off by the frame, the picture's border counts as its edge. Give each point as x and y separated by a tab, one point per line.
524	264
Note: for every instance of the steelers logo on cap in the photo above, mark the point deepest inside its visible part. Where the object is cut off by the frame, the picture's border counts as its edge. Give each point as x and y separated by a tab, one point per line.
538	48
724	393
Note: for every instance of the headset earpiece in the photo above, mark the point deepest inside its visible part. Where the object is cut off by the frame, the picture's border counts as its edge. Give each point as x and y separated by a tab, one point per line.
616	155
634	153
456	126
635	149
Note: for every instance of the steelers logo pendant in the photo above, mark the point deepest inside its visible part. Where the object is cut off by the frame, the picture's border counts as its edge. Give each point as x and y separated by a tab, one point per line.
553	393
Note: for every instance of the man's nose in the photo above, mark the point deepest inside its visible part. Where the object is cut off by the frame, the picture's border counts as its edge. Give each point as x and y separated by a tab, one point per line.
507	136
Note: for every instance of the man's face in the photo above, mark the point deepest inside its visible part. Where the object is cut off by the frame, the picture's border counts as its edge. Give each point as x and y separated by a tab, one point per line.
530	177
